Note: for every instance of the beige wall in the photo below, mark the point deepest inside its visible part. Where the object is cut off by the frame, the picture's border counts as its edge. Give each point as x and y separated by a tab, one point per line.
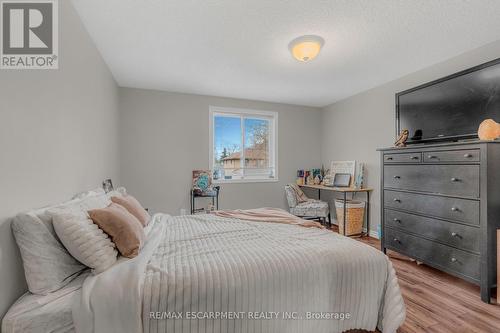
354	128
164	136
58	136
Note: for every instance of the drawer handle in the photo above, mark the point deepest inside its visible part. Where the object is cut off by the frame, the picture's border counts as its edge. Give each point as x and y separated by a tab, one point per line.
454	179
455	209
397	177
397	240
396	200
414	157
454	234
389	158
397	220
453	259
467	155
431	156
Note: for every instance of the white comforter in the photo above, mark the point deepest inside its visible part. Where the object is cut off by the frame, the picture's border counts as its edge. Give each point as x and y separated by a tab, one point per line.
210	274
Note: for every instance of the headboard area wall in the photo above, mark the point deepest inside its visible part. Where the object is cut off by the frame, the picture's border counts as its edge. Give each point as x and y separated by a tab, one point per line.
58	136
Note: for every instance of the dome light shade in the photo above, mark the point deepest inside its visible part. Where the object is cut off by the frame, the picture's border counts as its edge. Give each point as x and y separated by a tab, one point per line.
306	48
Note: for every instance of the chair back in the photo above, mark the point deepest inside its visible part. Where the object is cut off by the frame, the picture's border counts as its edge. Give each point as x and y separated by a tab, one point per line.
290	197
294	195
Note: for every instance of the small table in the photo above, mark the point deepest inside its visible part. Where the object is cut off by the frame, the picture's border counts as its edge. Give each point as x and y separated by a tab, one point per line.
214	195
344	191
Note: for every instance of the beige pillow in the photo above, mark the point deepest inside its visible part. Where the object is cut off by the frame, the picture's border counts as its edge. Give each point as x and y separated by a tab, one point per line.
134	207
84	240
124	229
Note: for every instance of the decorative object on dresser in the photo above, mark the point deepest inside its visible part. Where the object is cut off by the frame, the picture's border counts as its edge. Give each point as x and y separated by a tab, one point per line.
489	130
403	137
440	205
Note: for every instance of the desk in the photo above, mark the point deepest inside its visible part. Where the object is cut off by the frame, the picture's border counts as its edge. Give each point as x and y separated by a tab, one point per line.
344	191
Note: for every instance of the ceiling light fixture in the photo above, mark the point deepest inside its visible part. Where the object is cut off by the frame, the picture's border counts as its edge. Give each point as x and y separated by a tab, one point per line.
306	48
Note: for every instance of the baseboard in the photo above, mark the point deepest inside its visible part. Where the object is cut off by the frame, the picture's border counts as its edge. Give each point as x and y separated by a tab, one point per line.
373	233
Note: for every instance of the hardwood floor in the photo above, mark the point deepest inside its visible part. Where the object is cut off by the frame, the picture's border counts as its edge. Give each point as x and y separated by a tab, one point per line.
438	302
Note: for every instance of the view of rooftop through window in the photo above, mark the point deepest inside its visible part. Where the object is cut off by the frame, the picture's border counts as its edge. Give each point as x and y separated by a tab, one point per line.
242	147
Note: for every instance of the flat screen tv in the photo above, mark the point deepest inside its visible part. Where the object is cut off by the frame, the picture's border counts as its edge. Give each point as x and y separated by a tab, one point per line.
450	108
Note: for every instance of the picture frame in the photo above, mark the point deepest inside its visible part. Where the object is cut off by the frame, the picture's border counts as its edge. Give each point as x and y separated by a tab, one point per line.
202	182
343	167
107	185
342	180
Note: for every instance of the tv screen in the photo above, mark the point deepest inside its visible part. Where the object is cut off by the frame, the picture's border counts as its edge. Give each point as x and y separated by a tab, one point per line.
450	108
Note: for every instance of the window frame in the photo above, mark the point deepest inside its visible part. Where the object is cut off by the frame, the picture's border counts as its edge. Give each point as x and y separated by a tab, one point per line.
250	113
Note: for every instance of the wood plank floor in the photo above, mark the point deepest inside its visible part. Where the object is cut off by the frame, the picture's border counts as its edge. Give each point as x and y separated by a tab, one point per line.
438	302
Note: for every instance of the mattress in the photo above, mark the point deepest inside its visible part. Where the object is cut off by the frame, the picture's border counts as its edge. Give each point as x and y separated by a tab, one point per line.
44	313
214	275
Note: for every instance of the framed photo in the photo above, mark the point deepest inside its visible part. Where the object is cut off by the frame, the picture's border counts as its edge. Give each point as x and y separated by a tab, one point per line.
202	182
107	185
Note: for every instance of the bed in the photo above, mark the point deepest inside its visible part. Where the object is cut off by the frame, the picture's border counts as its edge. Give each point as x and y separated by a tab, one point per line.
207	273
44	313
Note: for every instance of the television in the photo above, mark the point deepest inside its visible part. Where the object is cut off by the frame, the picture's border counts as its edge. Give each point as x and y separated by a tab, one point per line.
450	108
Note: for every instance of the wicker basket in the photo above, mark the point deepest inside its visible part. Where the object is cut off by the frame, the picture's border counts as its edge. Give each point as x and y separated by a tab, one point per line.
355	216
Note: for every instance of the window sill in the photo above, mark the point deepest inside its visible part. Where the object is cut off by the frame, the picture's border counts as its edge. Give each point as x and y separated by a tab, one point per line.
240	181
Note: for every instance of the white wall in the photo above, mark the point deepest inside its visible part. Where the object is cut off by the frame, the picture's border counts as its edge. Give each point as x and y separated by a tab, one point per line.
352	129
58	136
164	136
59	133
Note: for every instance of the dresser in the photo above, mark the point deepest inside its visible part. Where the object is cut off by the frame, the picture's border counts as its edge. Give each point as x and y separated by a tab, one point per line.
440	204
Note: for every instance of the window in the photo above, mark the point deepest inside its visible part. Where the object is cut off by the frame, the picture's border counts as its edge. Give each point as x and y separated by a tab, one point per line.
243	145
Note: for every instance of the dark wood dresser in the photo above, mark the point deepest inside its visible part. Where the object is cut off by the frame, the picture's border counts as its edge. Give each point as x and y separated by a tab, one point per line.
440	204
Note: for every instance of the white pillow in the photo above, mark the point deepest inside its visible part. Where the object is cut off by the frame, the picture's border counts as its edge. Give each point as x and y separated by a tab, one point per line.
94	192
47	264
118	192
84	240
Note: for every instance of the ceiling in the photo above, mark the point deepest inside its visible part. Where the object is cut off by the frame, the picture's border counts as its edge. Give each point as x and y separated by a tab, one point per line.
239	48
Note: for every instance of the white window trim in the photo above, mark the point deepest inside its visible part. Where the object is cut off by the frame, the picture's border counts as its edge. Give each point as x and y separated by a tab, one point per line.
239	112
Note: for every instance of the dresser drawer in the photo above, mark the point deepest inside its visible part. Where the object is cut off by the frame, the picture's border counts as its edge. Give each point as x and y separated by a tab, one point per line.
442	256
461	180
462	210
403	158
454	234
471	155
